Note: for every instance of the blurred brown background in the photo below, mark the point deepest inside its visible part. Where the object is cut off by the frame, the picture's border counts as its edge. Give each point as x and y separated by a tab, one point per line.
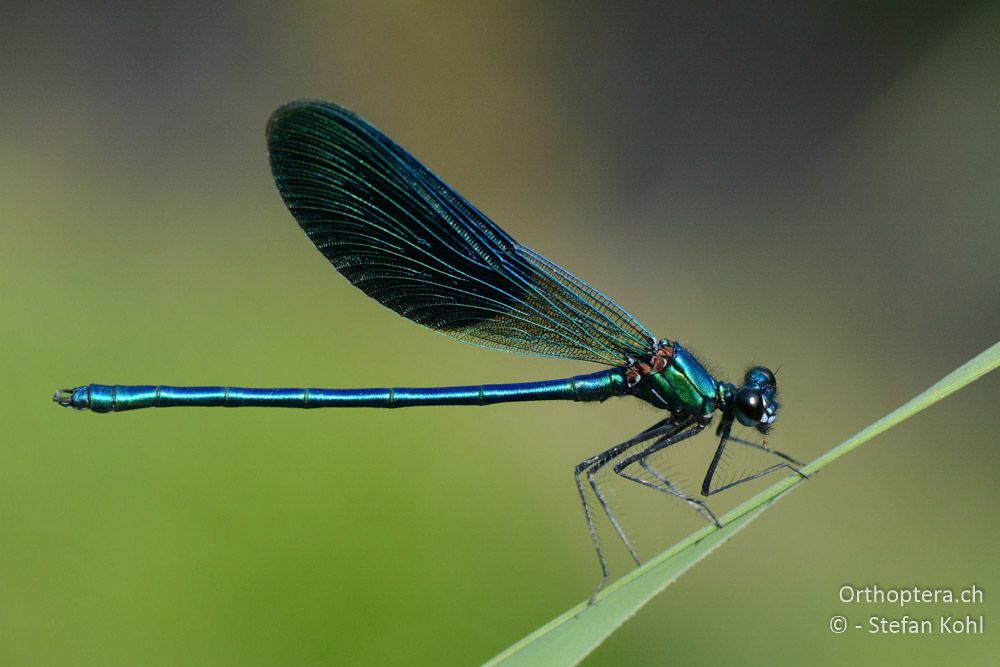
811	186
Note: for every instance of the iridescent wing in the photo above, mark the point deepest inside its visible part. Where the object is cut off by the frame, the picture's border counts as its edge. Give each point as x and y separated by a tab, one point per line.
406	239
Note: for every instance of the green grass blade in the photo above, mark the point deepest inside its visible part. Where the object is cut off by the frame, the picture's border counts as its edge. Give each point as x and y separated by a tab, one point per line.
570	637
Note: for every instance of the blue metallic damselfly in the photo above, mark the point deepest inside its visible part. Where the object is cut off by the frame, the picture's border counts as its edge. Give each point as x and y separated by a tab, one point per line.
408	240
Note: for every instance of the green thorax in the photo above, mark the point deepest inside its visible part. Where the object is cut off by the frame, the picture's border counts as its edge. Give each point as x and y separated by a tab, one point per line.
681	386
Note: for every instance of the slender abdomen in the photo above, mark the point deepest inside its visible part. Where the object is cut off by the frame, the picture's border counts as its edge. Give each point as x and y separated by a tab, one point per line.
116	398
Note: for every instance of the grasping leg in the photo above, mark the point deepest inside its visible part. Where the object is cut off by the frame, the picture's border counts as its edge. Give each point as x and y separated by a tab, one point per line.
592	465
789	462
665	485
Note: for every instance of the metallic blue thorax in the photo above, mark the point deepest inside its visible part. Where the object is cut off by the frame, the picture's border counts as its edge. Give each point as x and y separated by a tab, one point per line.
682	386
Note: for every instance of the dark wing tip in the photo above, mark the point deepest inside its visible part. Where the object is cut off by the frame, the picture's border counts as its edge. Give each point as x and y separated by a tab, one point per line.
288	112
296	135
291	137
291	117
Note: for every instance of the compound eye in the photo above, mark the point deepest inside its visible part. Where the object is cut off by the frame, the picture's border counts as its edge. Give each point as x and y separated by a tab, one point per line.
748	406
761	377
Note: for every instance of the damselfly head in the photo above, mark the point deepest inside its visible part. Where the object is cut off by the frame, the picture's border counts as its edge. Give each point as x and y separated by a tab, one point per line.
754	404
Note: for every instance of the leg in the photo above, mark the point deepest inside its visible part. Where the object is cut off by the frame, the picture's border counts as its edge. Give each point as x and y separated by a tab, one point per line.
665	485
789	462
591	466
670	488
765	448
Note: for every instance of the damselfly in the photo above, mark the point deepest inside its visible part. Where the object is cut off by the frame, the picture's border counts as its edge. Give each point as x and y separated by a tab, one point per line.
408	240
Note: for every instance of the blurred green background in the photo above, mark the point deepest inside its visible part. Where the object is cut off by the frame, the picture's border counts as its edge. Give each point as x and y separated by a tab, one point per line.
812	186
